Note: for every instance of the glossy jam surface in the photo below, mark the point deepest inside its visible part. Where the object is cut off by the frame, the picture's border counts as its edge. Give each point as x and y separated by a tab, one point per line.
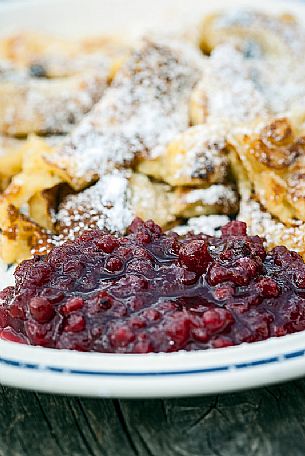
155	292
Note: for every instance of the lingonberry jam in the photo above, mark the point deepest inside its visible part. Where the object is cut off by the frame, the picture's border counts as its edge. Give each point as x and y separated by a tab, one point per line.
155	292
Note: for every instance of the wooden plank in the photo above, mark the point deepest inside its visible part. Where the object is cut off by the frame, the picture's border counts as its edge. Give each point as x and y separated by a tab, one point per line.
264	422
36	424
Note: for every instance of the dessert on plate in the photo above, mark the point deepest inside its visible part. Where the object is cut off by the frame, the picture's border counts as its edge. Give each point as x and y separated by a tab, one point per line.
122	166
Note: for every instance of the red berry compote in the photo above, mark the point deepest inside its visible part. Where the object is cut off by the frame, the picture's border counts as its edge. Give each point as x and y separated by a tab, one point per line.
151	291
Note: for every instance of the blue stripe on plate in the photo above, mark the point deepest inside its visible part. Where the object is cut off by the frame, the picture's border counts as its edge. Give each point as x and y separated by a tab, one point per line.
296	354
204	370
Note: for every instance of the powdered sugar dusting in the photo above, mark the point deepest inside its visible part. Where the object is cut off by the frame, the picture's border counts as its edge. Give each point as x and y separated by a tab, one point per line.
215	194
105	205
204	145
206	224
144	109
229	87
240	90
288	31
262	223
51	105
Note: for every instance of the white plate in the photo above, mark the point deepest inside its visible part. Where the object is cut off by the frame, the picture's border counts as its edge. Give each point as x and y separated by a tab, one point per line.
152	375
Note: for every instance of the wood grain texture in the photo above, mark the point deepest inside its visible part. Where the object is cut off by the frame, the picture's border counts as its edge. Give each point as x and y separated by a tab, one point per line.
265	422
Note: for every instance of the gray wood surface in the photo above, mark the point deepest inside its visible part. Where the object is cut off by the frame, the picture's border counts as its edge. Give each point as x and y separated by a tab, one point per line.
264	422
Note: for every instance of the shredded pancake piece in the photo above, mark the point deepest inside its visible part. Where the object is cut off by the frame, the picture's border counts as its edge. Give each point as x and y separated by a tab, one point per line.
146	106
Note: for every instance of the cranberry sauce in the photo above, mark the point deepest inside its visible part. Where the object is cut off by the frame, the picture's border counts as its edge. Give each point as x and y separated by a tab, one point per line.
155	292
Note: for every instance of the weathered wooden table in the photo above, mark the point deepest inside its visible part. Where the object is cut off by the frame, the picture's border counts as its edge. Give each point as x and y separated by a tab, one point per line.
264	422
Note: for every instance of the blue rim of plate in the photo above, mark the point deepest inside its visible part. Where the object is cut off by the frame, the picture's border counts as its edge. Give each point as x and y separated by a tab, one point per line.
206	370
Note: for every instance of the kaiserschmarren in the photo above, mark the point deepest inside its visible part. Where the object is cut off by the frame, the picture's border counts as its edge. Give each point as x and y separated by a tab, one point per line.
95	132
